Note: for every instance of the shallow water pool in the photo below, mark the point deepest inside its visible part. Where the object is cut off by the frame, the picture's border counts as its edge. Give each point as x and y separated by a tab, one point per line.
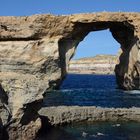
95	131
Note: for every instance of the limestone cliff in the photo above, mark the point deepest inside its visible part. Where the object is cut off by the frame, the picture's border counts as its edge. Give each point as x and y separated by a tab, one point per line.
100	64
35	52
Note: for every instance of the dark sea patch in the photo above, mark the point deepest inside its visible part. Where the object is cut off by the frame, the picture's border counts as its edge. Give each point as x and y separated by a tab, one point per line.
95	131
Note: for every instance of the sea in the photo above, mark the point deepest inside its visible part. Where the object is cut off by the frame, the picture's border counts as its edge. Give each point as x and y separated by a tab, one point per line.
93	90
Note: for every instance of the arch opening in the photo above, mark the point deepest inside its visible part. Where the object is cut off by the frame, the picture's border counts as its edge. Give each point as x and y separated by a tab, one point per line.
96	43
122	32
98	53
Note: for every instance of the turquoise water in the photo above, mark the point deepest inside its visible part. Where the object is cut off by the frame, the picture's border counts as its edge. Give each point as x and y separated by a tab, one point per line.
93	90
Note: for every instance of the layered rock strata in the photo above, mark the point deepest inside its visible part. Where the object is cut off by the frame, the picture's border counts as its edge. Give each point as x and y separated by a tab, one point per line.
35	52
69	114
100	64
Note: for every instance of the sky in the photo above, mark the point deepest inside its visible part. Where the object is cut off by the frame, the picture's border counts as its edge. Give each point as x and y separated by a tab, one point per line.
100	42
95	43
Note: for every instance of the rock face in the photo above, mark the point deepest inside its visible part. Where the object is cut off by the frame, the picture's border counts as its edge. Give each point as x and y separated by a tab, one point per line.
100	64
35	52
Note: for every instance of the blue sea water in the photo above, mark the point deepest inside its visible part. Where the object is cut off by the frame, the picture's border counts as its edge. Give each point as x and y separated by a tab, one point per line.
93	90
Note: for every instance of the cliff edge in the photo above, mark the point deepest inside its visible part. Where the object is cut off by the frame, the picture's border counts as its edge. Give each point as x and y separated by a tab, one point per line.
100	64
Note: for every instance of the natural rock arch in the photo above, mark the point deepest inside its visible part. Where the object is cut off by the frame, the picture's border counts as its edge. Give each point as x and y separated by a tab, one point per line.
34	54
123	32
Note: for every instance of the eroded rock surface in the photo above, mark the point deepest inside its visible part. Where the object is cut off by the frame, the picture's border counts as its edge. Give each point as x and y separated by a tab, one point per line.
69	114
35	52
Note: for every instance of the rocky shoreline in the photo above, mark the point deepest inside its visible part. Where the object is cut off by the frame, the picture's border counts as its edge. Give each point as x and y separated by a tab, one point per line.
70	114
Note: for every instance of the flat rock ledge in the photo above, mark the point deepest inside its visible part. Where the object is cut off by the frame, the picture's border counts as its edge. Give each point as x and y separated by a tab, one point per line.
69	114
